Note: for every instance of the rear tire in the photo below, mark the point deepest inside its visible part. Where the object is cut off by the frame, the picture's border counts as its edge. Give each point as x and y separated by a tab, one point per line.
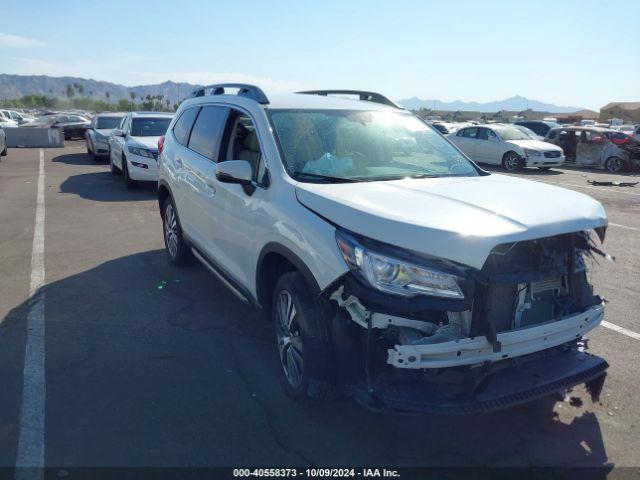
4	152
128	181
177	248
511	161
301	340
614	164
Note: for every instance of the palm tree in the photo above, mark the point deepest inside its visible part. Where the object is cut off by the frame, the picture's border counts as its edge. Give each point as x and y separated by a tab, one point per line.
108	95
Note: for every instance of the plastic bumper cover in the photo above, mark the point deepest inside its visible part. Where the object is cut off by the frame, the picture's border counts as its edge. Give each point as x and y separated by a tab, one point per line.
525	380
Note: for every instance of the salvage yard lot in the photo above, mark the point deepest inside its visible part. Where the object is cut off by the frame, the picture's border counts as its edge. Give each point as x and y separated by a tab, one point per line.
151	365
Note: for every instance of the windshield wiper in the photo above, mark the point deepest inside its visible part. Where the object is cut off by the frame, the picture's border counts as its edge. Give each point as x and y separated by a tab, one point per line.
328	178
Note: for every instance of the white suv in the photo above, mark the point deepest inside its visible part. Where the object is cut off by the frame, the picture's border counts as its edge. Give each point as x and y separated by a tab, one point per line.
133	146
393	268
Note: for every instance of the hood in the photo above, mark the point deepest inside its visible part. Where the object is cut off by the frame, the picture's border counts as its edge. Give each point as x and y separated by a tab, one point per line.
145	142
535	145
460	219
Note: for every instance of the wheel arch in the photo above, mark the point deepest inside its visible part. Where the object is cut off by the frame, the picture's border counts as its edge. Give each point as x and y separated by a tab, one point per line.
274	260
164	191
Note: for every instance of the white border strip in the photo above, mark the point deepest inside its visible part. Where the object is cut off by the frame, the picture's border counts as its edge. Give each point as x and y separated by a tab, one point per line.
622	330
31	439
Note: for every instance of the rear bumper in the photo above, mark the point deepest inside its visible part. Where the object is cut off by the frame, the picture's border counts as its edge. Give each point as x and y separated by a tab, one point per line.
519	381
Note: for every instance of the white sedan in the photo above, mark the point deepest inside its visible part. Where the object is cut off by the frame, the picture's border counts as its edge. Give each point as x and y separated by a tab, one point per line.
507	146
133	146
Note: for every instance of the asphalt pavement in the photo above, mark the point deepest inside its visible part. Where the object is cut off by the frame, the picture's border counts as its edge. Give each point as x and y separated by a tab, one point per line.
148	364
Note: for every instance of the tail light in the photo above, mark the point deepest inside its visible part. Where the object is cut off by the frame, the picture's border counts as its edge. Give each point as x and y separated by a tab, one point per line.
160	145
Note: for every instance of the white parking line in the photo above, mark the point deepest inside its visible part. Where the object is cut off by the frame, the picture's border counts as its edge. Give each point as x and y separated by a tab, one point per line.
622	330
31	436
609	190
624	226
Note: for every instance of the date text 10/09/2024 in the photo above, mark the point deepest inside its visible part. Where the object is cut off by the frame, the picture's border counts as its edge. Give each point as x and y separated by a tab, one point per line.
316	473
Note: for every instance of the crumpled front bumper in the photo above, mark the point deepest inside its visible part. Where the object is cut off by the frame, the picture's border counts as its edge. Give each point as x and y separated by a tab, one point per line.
525	379
514	343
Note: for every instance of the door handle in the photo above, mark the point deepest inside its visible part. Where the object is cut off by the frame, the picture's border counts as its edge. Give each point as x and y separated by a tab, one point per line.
179	162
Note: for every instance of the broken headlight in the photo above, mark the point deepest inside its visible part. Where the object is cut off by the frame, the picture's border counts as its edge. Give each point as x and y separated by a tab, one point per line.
395	275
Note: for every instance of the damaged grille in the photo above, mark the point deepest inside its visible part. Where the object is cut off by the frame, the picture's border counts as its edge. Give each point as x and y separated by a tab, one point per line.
533	282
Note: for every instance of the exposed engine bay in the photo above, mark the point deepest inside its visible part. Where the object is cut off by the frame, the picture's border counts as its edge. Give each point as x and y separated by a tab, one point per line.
530	299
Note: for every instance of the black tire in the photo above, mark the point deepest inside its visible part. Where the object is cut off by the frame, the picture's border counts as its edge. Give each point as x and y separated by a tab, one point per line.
301	340
128	181
4	152
614	164
545	169
91	153
179	252
114	170
511	161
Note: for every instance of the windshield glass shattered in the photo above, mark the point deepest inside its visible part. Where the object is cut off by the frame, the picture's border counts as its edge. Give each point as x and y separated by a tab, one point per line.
354	145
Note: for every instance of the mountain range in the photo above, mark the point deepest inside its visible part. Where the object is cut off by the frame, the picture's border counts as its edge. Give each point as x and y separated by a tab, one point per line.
15	86
515	104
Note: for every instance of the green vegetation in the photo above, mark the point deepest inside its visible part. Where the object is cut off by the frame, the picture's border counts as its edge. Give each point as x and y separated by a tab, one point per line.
77	98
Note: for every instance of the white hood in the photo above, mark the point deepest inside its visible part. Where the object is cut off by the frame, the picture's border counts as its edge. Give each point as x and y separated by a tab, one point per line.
535	145
145	142
460	219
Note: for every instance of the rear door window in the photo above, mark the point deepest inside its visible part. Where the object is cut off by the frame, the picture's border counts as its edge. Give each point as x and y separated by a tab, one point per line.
485	134
207	130
469	132
183	126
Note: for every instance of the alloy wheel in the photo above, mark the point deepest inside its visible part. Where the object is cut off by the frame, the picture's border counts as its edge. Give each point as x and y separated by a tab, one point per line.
614	164
171	230
511	162
289	339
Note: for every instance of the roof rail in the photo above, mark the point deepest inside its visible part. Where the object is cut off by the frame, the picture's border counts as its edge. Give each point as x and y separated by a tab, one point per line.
362	95
244	90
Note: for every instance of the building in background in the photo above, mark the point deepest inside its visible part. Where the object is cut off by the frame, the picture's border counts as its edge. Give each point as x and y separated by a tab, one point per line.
627	111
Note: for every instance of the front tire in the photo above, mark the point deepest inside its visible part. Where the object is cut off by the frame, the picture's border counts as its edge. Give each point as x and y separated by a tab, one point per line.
128	181
114	170
177	248
614	164
511	161
301	340
4	152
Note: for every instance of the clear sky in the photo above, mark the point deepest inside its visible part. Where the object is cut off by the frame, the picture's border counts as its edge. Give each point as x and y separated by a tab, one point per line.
578	53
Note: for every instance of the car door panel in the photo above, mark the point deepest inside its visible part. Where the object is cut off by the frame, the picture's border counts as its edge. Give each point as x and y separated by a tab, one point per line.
204	208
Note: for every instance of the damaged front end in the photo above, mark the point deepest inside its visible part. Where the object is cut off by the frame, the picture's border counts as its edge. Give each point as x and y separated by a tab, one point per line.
427	335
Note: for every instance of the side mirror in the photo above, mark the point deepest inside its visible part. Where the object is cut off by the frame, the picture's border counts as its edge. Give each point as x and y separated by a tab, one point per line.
118	133
234	171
